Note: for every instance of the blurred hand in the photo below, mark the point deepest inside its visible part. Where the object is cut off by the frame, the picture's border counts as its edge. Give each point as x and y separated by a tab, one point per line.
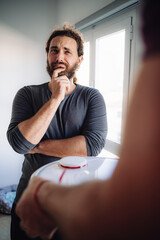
33	221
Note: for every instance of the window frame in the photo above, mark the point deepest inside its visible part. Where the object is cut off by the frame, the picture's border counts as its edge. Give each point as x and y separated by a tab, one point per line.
129	18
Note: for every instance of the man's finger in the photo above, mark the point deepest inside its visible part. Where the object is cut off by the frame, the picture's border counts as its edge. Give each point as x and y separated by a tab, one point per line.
57	71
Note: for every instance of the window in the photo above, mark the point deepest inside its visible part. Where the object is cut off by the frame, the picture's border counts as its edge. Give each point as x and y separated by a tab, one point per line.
109	78
108	66
84	78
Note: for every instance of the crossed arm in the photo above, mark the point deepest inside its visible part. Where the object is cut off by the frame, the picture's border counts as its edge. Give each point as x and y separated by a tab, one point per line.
75	146
34	128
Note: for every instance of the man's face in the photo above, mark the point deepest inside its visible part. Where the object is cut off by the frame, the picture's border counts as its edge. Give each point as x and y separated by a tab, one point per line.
63	54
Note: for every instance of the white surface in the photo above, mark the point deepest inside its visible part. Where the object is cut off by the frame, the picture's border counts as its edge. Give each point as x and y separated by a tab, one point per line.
73	162
96	168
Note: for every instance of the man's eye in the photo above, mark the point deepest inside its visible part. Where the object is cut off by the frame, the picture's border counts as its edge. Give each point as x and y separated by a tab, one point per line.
68	52
54	51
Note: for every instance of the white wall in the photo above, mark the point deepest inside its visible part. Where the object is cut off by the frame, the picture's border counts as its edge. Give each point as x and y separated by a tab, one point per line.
24	29
73	11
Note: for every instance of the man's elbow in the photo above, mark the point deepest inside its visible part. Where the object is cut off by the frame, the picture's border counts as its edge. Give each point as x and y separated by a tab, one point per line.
95	146
18	145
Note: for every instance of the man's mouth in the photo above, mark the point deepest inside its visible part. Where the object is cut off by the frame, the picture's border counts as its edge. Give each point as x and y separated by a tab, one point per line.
59	65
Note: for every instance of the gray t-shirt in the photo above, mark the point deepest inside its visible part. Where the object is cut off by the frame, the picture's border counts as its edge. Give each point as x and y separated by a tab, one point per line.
83	112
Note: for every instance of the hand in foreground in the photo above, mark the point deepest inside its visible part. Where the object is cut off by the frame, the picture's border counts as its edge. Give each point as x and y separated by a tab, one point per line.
33	221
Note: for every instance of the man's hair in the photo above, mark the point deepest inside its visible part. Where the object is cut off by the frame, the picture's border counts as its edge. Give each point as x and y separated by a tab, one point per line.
68	31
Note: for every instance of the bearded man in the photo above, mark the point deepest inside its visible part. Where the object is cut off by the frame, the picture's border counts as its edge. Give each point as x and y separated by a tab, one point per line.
58	118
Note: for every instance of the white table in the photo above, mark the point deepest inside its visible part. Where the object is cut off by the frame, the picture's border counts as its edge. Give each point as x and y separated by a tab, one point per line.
96	168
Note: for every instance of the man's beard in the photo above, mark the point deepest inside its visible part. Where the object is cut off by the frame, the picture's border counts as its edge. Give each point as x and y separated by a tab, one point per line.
69	72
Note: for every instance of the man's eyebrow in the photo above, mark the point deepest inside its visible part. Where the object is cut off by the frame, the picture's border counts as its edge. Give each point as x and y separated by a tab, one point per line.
67	48
54	47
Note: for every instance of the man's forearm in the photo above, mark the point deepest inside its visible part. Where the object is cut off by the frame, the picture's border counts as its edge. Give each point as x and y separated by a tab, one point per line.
34	128
75	146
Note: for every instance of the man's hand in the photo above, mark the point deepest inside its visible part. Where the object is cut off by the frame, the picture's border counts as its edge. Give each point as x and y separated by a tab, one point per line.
33	221
59	84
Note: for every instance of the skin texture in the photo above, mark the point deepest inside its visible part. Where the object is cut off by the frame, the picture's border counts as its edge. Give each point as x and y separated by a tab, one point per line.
127	205
63	54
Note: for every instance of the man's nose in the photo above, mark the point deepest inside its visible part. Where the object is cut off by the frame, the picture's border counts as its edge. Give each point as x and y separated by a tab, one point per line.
60	56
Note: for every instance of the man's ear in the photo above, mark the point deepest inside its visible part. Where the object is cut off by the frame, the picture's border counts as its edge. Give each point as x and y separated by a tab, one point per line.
80	60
